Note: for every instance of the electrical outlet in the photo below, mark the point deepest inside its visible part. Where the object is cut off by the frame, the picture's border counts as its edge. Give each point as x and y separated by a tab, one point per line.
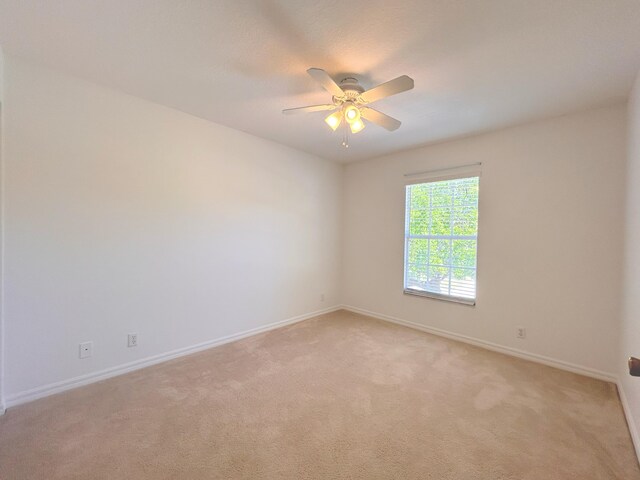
132	340
86	349
322	297
521	332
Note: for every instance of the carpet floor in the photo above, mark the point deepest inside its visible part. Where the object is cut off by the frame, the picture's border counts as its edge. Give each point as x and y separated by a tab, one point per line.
341	396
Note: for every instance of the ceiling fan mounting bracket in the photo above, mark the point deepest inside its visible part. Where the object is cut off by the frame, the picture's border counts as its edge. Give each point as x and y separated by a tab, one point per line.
351	86
352	90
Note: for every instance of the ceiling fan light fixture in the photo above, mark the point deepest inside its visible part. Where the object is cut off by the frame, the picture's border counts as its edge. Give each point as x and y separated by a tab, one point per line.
352	114
356	126
334	120
350	103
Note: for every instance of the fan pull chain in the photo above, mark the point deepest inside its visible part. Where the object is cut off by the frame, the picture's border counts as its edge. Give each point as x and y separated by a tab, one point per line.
345	137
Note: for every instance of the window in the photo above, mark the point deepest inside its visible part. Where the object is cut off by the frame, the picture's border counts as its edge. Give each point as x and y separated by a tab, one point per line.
441	238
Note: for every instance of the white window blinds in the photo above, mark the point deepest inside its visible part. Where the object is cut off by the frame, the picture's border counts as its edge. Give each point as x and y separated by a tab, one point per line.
441	237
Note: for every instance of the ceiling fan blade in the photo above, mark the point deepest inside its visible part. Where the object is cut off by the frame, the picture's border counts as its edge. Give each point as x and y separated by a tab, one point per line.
380	118
397	85
311	108
326	81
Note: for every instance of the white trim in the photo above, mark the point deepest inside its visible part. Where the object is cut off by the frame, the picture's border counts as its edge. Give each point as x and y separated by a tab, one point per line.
471	302
514	352
446	173
57	387
3	142
635	438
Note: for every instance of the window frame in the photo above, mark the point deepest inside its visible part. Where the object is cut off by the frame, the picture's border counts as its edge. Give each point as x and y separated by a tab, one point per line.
424	178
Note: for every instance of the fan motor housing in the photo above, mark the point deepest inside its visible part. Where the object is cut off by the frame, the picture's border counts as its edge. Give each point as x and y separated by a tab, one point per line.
351	87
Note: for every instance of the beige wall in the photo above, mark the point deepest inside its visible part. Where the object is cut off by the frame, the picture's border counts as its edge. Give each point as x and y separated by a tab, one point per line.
550	223
124	216
630	324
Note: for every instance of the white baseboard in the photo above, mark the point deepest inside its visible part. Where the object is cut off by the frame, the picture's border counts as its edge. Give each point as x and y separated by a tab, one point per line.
635	438
57	387
514	352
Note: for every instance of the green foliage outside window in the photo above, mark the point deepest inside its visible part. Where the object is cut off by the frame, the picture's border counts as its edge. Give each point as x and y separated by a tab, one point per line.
442	234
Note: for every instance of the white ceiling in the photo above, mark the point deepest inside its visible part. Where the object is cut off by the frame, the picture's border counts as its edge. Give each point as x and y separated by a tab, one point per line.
477	64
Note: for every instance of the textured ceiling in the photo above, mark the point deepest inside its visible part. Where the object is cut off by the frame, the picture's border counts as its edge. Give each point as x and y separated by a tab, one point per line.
477	64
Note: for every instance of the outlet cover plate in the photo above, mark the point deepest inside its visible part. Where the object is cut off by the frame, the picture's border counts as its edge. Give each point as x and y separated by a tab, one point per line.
86	349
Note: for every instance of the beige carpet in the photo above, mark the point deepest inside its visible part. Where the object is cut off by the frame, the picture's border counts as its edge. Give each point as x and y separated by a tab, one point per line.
338	397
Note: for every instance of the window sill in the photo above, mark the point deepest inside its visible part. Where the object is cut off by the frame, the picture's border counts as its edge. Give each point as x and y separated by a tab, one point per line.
418	293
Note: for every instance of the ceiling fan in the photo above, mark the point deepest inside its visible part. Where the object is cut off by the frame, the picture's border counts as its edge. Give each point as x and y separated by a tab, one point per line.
351	100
